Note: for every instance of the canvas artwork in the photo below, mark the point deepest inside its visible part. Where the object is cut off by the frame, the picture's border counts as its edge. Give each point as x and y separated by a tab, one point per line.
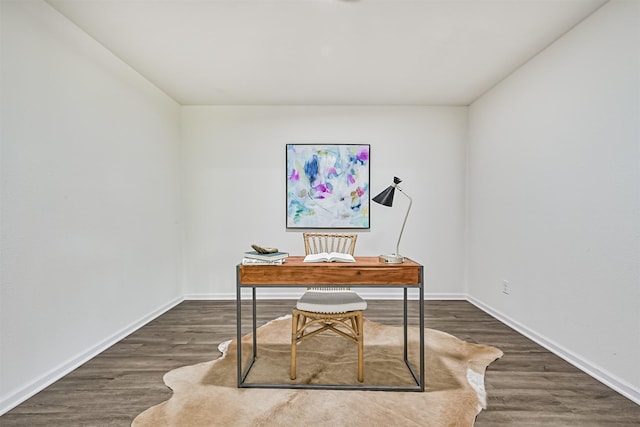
328	185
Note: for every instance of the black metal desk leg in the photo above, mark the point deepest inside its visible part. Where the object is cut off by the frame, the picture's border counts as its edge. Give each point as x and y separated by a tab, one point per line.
239	325
255	329
421	329
405	319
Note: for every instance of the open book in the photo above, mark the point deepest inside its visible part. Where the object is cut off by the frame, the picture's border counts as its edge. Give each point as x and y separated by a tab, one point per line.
329	257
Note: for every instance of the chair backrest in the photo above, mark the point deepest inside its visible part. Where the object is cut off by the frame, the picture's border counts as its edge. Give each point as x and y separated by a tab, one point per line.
315	243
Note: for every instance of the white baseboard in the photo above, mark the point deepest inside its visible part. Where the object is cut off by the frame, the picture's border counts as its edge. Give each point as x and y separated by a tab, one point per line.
210	297
18	396
604	377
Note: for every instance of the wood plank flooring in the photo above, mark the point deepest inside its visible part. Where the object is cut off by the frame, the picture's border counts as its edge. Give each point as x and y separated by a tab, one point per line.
529	386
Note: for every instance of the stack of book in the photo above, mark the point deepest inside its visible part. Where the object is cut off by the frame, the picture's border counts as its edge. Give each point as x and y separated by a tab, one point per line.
254	257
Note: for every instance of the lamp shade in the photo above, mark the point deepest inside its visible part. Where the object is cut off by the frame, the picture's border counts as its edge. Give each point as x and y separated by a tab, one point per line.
385	198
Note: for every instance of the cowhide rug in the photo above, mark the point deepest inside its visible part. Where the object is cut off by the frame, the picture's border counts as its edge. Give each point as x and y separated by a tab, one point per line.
206	394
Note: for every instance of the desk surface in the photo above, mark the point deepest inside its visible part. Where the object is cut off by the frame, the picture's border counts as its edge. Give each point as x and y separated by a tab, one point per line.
365	271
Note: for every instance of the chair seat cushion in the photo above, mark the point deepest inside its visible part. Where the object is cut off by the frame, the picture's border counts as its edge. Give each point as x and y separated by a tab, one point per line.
331	302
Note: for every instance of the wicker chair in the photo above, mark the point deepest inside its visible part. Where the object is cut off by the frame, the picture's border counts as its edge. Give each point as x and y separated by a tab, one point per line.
329	309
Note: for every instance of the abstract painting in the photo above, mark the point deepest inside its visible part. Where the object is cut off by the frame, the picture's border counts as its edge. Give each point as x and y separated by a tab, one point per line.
328	185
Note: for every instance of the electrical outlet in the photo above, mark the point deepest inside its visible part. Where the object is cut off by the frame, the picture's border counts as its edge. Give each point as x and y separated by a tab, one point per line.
505	287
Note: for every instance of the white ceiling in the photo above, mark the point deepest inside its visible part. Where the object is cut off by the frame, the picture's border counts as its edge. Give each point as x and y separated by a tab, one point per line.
325	52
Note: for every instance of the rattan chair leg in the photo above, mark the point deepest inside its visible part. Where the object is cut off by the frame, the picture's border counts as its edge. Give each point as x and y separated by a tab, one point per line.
294	341
360	330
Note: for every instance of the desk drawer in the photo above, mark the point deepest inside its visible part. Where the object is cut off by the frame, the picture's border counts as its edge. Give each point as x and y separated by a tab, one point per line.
329	274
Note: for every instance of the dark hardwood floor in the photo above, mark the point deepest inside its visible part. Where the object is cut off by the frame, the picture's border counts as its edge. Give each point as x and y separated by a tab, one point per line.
528	386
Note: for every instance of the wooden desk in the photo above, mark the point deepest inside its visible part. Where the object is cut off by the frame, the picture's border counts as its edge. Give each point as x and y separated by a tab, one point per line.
365	272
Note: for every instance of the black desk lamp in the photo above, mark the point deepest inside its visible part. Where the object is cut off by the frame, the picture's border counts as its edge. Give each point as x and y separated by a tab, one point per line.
386	199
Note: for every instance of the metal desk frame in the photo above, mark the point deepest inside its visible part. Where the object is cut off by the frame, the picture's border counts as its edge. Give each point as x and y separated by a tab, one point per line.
243	373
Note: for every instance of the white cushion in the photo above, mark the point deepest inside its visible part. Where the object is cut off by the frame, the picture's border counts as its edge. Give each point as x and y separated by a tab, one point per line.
331	302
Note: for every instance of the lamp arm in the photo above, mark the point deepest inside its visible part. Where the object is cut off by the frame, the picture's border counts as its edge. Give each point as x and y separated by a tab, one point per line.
403	222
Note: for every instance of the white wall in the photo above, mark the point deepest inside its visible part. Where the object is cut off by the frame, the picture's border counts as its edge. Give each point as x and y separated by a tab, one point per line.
90	235
235	185
554	188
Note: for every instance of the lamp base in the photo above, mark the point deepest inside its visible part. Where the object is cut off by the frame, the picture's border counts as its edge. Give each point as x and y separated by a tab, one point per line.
391	259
